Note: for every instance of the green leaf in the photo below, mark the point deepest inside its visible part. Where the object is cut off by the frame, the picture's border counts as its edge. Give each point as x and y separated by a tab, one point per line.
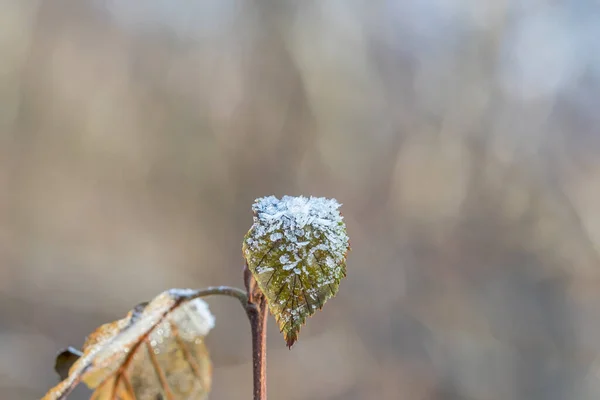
296	250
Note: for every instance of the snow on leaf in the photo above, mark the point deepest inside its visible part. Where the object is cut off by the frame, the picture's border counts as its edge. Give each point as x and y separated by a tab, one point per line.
156	351
296	250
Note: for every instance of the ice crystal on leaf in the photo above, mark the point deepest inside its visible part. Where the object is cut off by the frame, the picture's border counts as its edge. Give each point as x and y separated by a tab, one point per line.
156	351
296	250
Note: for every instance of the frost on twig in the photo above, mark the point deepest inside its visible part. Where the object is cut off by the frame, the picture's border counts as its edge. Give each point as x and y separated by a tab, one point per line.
296	250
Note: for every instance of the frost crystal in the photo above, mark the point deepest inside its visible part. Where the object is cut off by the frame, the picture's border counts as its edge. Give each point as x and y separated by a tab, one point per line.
302	243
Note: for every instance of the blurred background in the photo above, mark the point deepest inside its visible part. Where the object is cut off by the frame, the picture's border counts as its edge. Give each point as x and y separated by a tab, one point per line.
462	137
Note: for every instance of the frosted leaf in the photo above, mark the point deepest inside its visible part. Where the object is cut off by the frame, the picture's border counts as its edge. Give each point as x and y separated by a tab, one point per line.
303	244
156	351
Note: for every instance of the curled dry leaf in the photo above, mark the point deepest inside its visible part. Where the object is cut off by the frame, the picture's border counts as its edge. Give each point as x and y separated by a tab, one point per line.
296	250
156	351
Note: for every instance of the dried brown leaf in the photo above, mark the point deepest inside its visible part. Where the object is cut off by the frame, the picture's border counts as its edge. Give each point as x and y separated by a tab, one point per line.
156	351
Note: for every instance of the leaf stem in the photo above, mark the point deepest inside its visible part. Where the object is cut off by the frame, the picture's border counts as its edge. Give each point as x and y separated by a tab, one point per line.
223	291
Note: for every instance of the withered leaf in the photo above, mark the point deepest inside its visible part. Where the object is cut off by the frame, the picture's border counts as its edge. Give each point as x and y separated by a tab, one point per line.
156	351
296	250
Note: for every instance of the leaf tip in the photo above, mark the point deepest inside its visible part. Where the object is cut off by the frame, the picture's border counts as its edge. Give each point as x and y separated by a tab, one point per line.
291	340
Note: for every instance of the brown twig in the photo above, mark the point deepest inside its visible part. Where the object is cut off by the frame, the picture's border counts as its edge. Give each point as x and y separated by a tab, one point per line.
257	314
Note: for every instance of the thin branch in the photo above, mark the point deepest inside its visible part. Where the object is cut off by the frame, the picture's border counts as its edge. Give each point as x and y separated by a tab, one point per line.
256	310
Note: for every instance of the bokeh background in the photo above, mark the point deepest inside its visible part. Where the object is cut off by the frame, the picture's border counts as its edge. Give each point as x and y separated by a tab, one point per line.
462	137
